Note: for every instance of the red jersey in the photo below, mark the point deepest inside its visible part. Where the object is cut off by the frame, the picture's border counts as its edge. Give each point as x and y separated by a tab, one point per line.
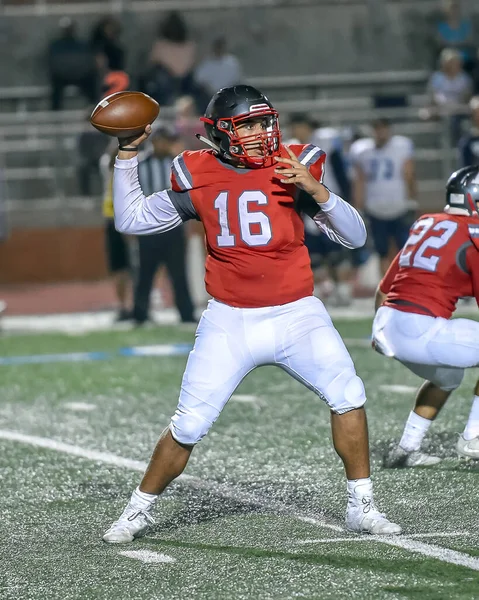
438	265
254	231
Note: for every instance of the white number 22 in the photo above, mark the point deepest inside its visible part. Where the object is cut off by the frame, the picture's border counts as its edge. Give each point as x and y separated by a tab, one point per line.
410	257
246	219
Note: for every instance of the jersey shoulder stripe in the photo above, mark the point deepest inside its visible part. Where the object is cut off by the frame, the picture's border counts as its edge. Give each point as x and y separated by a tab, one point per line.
310	154
182	175
473	231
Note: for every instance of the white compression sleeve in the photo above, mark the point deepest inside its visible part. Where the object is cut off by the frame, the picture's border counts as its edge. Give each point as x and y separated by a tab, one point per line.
135	213
341	222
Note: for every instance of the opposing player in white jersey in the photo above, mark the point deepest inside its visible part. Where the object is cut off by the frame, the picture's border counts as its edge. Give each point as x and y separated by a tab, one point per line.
384	186
323	252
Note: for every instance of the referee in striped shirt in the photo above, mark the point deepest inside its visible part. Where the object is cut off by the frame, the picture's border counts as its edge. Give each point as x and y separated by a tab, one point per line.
167	248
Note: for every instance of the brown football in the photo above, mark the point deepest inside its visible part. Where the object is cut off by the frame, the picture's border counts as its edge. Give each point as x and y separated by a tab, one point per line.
124	114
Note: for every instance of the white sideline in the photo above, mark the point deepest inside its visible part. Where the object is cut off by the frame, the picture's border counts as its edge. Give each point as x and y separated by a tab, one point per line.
429	550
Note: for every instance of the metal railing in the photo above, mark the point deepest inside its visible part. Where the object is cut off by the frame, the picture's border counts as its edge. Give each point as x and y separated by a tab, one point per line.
76	7
59	175
55	133
319	86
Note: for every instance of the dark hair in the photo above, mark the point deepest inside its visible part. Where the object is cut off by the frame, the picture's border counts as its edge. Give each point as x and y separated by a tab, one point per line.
301	118
173	27
219	42
380	122
98	34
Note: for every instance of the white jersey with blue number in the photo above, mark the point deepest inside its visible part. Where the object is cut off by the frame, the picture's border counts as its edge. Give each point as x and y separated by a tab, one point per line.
385	194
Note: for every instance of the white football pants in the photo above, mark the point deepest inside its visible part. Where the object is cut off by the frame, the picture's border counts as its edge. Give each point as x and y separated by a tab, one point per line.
230	342
434	348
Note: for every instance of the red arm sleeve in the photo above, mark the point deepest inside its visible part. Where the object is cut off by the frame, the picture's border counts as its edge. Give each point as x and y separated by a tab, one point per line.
387	280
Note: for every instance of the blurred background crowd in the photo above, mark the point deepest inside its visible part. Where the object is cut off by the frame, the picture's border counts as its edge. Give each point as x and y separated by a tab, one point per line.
388	88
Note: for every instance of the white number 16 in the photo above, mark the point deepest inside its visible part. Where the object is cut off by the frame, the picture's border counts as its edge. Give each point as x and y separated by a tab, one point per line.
246	219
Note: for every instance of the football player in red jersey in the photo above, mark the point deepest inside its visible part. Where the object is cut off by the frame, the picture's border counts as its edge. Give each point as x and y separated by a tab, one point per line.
438	265
249	191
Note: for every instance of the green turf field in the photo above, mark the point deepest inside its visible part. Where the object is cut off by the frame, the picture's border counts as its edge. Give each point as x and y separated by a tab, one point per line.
260	513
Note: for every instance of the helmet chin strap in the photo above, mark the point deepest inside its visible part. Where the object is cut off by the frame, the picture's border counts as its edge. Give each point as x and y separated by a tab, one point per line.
208	142
212	145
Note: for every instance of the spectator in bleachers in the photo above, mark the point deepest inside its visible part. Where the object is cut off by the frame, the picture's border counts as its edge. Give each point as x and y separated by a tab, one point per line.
385	187
106	44
116	244
454	30
475	75
70	62
469	143
450	88
220	69
170	73
3	229
3	213
168	248
188	124
450	85
91	145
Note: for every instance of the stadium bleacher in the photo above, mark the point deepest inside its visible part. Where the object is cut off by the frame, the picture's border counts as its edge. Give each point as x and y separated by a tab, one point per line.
38	155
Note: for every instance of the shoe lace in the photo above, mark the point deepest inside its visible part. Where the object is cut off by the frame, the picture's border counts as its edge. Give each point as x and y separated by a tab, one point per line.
368	506
144	513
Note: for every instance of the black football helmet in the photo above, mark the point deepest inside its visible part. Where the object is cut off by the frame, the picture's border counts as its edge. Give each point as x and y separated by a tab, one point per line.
234	105
462	191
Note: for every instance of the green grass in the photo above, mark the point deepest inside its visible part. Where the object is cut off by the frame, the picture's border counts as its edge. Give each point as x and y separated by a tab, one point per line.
265	464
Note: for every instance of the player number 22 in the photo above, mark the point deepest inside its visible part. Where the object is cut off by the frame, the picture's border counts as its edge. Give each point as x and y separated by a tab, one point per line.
246	219
415	257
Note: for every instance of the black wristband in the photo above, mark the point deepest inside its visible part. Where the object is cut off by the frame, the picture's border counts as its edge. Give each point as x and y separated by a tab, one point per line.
126	149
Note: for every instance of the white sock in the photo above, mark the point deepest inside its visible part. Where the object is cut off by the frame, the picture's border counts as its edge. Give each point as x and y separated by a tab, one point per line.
414	432
359	488
472	427
142	500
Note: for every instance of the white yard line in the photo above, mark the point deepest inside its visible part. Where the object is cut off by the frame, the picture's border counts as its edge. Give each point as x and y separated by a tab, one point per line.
103	457
431	551
398	389
378	538
247	398
222	489
226	491
79	406
318	522
148	556
433	534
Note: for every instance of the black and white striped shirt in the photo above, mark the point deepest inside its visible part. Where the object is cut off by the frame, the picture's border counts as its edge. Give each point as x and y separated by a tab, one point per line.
154	173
